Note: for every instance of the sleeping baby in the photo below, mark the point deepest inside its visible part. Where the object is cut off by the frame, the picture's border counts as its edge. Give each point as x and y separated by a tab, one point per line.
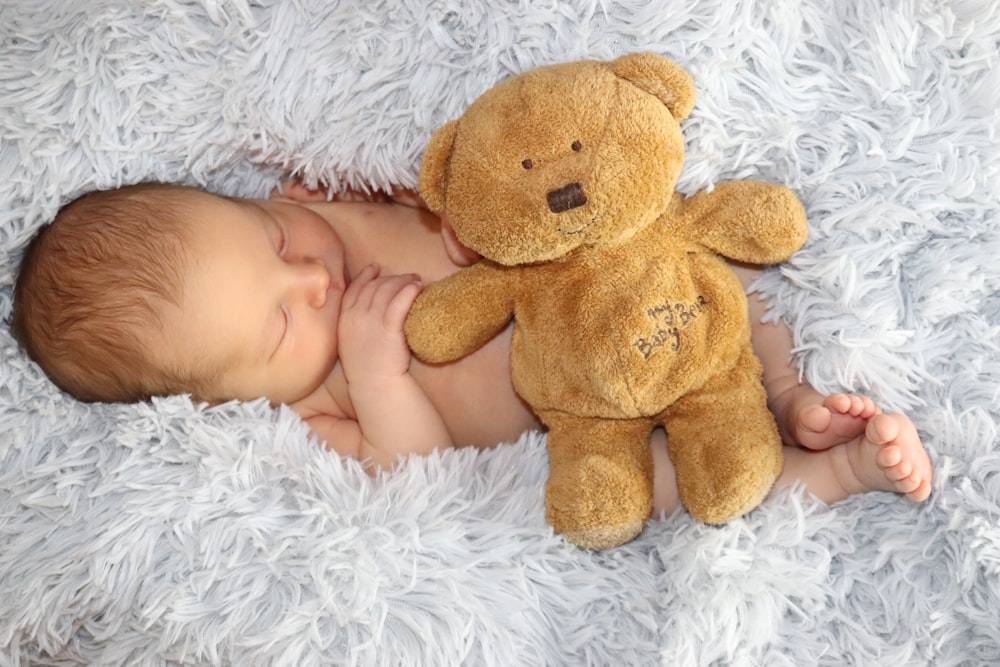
158	289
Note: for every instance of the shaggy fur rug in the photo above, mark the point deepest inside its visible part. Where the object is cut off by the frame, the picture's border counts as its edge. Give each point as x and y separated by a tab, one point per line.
167	533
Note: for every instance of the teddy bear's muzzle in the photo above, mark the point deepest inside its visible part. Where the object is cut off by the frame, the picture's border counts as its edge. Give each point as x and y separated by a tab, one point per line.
566	198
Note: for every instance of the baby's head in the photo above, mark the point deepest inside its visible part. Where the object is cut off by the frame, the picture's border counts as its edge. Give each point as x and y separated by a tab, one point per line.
93	287
158	289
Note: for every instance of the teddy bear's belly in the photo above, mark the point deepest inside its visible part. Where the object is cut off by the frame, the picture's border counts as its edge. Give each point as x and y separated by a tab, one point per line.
628	352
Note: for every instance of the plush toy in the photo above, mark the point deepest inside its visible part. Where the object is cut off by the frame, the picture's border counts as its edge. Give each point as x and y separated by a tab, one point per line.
626	316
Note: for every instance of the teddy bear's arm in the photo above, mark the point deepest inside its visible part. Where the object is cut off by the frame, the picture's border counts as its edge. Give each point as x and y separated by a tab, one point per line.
749	221
459	314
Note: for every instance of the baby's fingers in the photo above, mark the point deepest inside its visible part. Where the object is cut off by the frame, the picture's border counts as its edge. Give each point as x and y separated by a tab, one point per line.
360	291
400	304
369	292
392	294
296	190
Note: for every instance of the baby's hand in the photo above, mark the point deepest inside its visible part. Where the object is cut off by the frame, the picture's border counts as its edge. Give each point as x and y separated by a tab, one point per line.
297	191
370	336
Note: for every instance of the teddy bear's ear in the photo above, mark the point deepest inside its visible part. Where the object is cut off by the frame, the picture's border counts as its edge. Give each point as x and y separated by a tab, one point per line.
435	164
659	77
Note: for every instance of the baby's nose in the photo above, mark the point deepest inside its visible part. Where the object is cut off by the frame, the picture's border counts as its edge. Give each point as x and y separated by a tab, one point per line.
314	278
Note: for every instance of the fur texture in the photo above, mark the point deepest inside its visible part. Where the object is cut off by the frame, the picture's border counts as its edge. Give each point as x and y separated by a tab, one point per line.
626	316
167	533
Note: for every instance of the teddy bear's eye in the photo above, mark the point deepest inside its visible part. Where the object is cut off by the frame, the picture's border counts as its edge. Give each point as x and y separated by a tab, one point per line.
577	146
527	164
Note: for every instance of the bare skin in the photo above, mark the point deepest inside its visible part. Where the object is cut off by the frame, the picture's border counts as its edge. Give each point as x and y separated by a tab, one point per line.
835	445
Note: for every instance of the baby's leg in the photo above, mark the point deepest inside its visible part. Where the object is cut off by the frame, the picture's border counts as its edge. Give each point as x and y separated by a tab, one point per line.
805	417
886	456
666	497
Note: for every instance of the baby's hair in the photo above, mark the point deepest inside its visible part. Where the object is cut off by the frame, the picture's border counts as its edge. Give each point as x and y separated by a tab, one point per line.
94	281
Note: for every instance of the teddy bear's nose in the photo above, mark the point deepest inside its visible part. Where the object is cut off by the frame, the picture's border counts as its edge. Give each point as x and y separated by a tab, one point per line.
567	197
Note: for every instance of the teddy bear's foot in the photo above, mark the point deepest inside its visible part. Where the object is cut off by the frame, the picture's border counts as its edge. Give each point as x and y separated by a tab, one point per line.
724	444
597	503
600	538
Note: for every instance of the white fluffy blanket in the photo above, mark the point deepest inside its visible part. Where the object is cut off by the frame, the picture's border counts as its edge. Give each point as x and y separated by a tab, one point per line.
169	533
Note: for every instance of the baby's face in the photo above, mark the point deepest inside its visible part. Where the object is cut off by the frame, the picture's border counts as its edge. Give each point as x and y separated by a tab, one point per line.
263	292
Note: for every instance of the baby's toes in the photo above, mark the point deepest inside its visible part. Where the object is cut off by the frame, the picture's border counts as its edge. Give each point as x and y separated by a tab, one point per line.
921	491
889	456
893	465
862	407
838	403
900	455
857	405
813	419
882	430
868	408
909	484
852	405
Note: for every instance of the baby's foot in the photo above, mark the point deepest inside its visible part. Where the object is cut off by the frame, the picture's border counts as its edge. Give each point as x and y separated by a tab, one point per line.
888	456
808	419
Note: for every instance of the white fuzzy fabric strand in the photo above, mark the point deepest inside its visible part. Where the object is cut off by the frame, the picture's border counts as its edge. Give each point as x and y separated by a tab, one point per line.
169	533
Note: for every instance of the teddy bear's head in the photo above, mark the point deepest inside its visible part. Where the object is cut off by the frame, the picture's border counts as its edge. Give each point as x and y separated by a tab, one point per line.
562	156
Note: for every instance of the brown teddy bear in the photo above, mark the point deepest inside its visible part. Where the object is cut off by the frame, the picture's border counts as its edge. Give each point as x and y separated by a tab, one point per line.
626	316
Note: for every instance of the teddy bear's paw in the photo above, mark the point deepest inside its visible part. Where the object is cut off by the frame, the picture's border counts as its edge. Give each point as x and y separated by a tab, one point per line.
604	537
597	503
716	501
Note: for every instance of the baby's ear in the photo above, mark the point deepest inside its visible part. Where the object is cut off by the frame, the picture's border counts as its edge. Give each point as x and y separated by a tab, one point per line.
660	77
434	166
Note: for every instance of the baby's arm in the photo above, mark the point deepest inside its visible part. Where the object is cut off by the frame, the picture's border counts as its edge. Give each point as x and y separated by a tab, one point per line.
394	415
295	190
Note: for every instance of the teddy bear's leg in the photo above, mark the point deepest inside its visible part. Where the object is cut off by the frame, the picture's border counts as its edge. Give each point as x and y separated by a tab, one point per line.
724	443
600	487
